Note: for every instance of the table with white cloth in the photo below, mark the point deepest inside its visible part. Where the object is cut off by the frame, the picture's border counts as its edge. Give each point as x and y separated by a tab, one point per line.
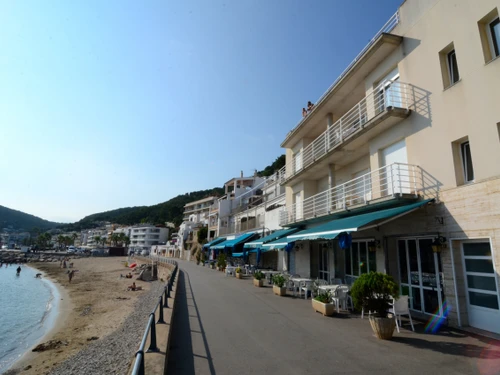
328	288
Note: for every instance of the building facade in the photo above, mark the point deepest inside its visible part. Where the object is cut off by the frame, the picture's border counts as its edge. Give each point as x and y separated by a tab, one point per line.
142	237
412	119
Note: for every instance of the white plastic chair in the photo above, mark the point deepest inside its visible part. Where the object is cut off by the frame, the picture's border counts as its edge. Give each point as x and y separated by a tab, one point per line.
340	297
399	308
305	286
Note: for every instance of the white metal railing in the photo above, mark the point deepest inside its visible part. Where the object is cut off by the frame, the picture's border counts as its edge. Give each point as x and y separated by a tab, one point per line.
389	181
387	94
388	27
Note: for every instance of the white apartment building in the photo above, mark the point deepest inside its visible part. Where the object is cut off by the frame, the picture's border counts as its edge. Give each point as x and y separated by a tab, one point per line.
197	211
401	154
90	240
144	236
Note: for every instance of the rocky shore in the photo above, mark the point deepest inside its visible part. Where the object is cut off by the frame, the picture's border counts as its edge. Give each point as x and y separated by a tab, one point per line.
16	257
114	354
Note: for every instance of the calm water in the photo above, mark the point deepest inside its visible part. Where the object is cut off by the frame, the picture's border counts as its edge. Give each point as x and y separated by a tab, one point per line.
27	310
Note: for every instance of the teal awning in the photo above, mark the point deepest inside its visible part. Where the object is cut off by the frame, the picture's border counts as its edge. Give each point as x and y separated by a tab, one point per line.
232	243
333	228
278	244
237	255
273	236
214	242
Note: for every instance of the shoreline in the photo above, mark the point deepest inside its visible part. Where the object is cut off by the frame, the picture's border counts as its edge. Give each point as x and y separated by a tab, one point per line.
92	308
58	319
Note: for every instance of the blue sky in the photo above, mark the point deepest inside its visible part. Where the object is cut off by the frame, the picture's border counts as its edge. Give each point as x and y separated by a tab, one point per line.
108	104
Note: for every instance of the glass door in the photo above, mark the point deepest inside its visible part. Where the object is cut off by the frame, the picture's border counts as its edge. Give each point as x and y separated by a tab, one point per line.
324	265
421	275
481	286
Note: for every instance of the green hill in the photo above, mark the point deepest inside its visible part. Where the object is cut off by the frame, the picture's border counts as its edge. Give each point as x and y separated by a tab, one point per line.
20	220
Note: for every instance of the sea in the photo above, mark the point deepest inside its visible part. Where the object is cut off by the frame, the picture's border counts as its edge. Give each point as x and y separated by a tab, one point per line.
28	308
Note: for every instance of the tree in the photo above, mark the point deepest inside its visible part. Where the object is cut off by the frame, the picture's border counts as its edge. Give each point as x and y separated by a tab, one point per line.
60	241
97	240
202	234
74	236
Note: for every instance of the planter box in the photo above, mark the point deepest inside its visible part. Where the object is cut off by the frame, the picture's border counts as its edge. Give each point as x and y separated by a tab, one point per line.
327	309
258	283
279	291
239	275
383	327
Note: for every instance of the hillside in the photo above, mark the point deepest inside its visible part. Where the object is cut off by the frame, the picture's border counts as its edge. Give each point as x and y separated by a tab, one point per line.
171	210
20	220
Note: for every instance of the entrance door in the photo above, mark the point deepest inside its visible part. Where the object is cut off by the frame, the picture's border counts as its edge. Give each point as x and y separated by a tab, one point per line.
481	284
324	265
395	178
421	275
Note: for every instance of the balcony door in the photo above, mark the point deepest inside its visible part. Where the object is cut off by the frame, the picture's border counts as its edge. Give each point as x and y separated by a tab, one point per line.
394	178
389	92
361	187
298	206
297	161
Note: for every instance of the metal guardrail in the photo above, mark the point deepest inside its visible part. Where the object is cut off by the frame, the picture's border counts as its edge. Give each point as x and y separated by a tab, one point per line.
387	28
392	180
389	94
138	368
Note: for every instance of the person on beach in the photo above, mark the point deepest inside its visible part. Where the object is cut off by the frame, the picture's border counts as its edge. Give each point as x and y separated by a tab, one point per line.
132	287
18	270
70	275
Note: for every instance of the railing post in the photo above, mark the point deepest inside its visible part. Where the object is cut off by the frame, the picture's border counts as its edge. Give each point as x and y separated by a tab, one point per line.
341	133
415	180
343	197
160	307
359	115
141	363
400	180
392	179
152	345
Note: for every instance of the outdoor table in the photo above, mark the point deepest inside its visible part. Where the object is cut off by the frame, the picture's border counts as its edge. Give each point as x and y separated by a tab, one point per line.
296	282
231	269
327	288
270	273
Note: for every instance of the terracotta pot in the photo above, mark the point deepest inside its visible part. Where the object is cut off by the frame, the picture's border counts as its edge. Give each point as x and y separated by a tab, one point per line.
383	327
258	283
279	291
239	275
327	309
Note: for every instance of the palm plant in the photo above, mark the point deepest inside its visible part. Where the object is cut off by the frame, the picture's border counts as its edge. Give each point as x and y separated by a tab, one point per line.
97	240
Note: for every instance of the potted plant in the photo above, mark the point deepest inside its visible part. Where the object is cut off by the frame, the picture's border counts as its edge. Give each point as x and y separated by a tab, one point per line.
221	262
323	303
239	275
374	292
258	279
279	285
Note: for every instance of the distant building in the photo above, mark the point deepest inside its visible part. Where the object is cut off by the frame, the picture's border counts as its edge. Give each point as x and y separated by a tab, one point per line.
144	236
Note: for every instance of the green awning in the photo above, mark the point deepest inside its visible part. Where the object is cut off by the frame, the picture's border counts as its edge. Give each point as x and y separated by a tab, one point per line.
214	242
333	228
232	243
273	236
278	244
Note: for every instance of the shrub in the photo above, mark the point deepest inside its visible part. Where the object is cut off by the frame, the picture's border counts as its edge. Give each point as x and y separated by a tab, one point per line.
258	275
221	261
238	270
279	281
374	292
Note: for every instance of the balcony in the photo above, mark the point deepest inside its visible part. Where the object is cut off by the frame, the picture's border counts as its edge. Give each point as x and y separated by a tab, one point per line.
388	104
386	185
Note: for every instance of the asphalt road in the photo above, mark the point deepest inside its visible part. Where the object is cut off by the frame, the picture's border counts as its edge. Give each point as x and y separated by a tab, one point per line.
227	326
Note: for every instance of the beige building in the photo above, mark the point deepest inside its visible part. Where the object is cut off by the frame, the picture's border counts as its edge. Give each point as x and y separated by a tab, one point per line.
416	116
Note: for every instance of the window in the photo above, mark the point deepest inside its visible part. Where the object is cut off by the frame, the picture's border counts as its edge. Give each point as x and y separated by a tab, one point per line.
467	161
359	260
449	65
489	32
494	35
453	67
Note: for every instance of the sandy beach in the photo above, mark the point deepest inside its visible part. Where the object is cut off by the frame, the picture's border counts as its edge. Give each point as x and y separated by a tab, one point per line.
94	305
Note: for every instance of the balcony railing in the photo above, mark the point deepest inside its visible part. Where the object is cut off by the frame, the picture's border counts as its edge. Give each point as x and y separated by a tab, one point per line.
387	28
389	94
390	181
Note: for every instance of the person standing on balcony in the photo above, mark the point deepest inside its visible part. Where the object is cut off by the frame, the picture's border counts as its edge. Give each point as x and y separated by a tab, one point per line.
310	106
304	112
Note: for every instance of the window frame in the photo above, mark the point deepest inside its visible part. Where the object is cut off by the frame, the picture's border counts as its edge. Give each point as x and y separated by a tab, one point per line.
350	273
451	73
492	39
463	159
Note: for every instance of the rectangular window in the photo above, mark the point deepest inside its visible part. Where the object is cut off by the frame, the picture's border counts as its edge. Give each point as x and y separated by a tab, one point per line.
453	67
467	162
494	35
359	260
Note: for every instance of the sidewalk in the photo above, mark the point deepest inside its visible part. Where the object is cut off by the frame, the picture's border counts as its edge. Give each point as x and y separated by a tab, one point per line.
224	325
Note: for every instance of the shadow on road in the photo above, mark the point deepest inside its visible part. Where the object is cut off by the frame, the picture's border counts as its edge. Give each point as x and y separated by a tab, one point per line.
186	322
